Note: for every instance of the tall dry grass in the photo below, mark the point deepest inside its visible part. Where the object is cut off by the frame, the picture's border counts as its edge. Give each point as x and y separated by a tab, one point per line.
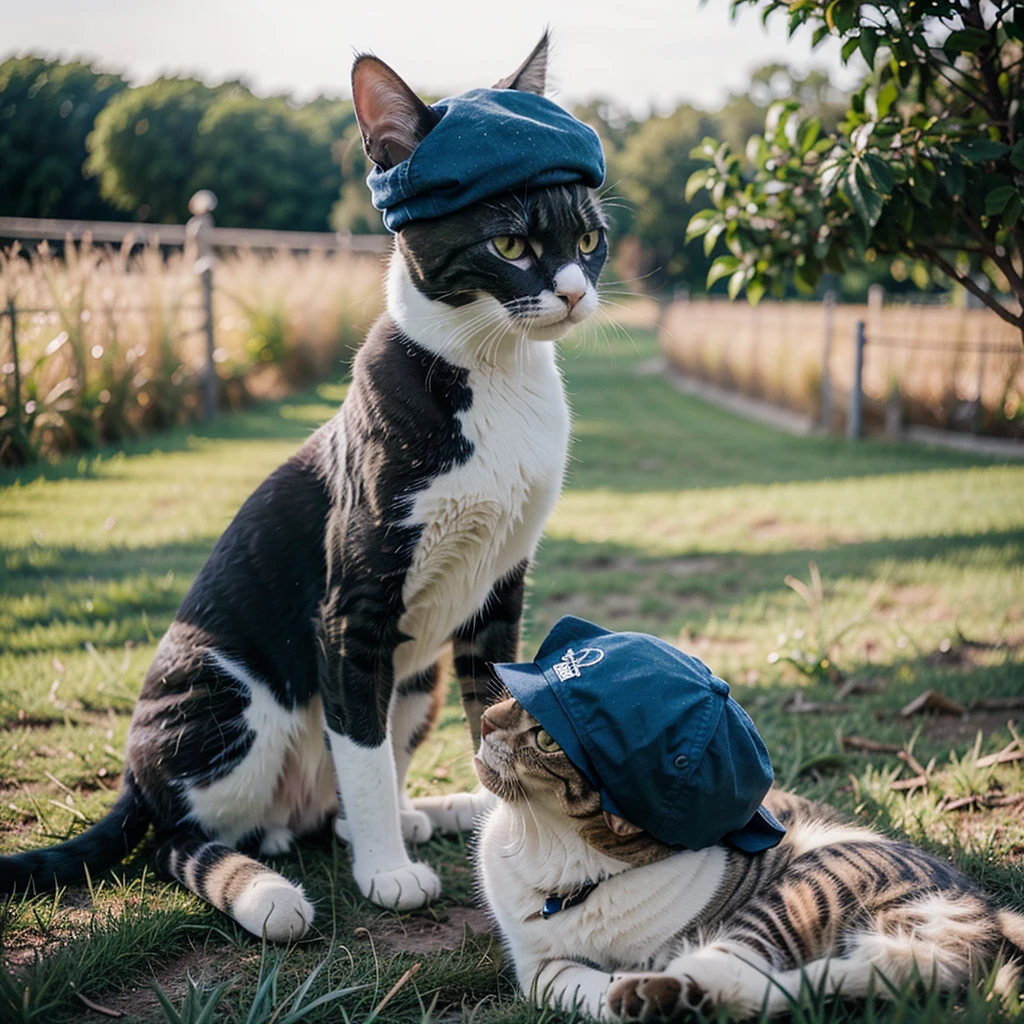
929	355
111	343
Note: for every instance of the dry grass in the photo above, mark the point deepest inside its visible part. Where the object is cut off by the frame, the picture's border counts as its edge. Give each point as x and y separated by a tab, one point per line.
111	344
774	351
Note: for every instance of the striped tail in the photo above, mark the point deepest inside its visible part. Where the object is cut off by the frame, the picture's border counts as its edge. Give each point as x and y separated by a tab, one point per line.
256	896
107	843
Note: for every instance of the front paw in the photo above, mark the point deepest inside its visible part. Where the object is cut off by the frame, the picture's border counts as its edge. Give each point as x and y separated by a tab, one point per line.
657	997
416	827
403	888
457	812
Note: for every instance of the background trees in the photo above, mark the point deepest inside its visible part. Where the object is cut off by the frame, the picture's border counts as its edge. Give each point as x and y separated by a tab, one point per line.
47	109
927	162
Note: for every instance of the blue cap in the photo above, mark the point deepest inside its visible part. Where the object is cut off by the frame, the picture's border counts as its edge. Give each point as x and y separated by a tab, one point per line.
655	731
488	141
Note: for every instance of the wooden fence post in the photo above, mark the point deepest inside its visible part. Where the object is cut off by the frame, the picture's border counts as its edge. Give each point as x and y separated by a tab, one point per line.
12	316
855	416
202	205
979	405
825	415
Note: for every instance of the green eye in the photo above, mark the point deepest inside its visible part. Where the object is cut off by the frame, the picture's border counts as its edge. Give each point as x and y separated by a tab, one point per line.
512	247
546	742
589	242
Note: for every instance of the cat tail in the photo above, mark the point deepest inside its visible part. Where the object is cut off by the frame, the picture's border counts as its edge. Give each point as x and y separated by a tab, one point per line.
102	846
257	897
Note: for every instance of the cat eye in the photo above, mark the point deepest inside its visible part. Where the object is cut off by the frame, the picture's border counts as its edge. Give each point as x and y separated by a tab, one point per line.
547	742
589	242
511	247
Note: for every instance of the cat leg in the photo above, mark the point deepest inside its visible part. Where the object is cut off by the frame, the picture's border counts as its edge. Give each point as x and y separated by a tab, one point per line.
417	702
357	679
257	897
492	635
564	983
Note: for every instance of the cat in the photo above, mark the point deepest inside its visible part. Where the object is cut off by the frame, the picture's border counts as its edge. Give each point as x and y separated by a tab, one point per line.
307	661
597	913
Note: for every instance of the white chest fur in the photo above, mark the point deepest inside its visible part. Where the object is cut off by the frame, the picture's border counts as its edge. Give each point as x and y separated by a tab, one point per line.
482	518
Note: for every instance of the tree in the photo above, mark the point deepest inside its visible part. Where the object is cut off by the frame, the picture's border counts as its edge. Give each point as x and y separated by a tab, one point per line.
269	165
142	148
47	110
928	162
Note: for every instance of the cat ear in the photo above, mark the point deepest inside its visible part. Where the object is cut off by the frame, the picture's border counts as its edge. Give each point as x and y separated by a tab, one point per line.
392	118
532	74
620	826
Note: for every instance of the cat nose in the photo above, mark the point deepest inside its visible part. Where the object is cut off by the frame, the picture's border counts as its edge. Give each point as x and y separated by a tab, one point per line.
486	726
571	299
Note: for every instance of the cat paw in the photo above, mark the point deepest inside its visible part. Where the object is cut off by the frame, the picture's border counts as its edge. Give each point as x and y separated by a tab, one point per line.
403	888
416	826
271	905
457	812
657	997
276	841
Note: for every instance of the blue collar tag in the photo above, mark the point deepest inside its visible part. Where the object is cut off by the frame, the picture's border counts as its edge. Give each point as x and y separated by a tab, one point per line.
555	904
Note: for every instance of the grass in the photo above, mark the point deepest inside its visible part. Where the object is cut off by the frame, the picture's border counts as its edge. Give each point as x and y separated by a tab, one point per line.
677	519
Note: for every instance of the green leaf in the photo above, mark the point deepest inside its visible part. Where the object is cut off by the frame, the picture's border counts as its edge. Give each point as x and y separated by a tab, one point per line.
1012	212
696	182
736	282
977	151
880	172
953	178
886	97
722	267
850	47
755	291
865	200
712	237
996	200
700	223
968	40
809	132
868	46
1017	156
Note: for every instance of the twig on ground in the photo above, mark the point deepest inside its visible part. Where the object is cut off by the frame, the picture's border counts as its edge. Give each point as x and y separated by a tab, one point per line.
95	1007
396	988
871	746
932	700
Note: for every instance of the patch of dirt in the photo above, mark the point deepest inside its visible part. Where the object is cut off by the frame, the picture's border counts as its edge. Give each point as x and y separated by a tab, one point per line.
139	1002
678	567
422	935
958	729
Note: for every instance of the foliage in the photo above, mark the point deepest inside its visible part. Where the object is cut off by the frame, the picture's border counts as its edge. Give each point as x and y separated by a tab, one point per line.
270	166
928	161
143	147
47	109
657	158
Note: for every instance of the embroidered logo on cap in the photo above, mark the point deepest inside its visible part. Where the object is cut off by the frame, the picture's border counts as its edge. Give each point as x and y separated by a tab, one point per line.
571	663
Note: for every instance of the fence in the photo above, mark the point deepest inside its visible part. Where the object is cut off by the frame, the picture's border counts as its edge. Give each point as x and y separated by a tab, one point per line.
107	342
935	366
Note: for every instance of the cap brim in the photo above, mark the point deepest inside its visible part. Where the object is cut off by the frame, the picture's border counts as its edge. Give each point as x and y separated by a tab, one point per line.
527	683
762	832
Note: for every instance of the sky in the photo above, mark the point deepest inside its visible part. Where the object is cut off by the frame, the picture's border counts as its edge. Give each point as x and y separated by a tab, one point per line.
644	54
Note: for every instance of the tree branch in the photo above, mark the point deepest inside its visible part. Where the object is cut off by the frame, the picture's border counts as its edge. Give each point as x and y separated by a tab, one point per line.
1004	263
932	256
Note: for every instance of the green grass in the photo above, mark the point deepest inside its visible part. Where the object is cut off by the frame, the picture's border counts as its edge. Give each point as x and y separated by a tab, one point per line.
678	519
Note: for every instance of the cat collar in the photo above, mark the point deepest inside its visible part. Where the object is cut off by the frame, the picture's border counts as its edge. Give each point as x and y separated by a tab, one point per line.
487	141
555	904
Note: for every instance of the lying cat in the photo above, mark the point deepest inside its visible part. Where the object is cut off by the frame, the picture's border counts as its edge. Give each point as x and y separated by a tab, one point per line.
305	660
600	914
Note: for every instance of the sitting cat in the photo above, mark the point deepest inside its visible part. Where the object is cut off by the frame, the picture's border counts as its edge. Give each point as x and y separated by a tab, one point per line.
305	663
599	914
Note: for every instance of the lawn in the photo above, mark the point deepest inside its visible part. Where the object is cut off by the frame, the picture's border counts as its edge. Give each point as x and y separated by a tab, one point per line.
830	583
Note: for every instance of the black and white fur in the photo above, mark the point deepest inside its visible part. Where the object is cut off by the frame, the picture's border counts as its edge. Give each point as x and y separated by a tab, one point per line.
305	663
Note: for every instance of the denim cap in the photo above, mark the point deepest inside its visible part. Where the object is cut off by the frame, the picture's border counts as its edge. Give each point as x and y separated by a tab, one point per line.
488	141
654	731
